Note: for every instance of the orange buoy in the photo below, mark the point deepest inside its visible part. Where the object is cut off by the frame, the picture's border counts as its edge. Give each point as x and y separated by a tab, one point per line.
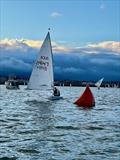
86	99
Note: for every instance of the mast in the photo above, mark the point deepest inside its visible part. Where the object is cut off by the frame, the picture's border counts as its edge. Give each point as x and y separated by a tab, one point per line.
52	85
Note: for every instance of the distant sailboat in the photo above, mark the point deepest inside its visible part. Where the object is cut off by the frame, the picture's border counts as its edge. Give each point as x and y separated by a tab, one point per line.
42	76
98	84
12	84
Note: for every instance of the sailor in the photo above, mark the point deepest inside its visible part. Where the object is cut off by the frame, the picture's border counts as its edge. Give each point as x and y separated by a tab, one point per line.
56	92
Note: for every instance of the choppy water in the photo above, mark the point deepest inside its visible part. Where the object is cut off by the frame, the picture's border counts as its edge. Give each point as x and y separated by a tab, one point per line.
33	128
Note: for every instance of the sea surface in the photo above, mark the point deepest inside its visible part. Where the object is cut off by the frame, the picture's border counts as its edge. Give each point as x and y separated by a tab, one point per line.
34	128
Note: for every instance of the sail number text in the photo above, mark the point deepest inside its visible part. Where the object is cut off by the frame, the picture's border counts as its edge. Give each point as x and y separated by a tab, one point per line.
43	63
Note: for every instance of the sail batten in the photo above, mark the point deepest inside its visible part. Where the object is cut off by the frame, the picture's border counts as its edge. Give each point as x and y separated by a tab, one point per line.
42	74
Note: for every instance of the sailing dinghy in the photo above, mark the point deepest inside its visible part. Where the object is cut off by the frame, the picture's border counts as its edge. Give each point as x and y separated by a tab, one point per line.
98	84
42	76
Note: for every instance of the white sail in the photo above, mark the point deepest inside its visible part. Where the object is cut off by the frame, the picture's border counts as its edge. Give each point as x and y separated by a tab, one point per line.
42	74
98	84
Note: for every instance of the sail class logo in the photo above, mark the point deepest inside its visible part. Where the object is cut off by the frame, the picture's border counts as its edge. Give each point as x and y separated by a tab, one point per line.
43	63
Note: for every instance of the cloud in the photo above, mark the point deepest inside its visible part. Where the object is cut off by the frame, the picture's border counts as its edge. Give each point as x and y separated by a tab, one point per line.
92	61
12	65
25	45
110	47
87	67
19	44
59	48
55	14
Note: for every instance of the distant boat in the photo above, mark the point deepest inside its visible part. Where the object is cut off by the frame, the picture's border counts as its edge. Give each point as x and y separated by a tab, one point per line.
42	76
86	100
98	83
12	84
